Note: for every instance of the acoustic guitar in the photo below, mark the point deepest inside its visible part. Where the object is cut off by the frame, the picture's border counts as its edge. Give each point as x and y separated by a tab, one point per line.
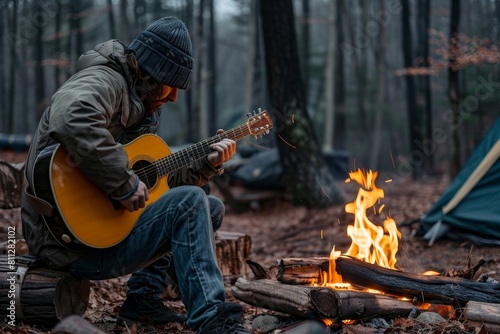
86	216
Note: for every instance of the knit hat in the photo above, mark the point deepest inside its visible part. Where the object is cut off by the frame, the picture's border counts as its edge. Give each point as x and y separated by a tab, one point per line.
164	51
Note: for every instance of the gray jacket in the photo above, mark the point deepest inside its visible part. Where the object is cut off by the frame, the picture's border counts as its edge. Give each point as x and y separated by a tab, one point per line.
91	115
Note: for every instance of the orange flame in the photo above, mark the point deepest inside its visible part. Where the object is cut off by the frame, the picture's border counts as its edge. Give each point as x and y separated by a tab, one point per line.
371	243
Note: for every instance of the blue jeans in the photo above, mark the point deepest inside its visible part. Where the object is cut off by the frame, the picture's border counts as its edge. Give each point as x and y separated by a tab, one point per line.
183	221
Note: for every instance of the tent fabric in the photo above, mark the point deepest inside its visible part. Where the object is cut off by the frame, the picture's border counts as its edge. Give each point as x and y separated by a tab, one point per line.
471	203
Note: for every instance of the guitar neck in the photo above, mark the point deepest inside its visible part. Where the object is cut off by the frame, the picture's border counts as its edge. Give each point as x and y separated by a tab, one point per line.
197	151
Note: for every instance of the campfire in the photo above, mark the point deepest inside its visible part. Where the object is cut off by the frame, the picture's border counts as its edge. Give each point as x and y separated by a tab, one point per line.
363	282
370	242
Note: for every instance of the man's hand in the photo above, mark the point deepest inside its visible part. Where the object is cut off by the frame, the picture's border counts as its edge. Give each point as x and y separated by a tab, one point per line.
138	199
223	151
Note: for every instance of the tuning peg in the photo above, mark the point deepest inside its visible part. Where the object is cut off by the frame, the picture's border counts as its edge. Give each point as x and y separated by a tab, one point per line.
249	114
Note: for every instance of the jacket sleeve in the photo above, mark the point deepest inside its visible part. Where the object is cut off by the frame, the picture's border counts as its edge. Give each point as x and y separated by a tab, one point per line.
81	111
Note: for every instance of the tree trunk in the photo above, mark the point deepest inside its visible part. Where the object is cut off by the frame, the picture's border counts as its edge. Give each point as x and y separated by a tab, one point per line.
340	140
211	80
124	31
39	70
57	46
413	117
199	103
453	92
329	124
424	99
3	64
12	73
111	19
252	48
306	45
381	94
357	65
308	179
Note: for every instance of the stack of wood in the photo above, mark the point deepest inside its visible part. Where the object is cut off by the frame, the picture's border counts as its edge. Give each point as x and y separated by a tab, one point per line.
293	291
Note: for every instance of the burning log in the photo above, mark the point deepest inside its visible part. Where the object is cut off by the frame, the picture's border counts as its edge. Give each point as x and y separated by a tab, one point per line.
443	290
318	302
302	270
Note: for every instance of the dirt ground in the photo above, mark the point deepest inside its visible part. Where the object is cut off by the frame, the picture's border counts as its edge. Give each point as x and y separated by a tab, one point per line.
279	230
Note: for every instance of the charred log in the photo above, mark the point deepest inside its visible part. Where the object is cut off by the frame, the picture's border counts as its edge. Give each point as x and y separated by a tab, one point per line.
318	302
433	289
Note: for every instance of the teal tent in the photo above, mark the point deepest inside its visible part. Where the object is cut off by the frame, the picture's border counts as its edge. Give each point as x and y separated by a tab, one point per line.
469	209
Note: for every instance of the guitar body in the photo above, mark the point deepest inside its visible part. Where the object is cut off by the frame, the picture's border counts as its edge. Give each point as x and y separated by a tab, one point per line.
88	213
85	215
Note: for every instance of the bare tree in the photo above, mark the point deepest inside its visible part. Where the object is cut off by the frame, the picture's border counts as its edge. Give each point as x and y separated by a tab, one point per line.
308	180
339	134
424	96
3	14
413	117
12	69
329	124
251	54
306	44
198	115
57	45
453	93
212	71
111	19
381	94
39	69
124	31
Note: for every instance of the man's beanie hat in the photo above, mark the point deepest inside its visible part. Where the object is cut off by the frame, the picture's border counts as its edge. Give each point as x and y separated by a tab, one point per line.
164	51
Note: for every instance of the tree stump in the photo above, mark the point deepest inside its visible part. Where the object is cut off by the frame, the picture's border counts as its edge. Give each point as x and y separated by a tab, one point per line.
232	250
38	296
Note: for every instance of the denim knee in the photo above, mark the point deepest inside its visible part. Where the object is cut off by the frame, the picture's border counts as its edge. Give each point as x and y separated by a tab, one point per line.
217	211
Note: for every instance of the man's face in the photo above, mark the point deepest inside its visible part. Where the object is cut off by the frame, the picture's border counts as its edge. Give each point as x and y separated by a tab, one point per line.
169	95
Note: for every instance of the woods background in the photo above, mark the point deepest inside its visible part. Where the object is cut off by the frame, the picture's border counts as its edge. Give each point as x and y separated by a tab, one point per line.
404	87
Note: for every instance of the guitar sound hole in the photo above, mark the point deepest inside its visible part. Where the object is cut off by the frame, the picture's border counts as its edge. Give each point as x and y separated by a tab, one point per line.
146	172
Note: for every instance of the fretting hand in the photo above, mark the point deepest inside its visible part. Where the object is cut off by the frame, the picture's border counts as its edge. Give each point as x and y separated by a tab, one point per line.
222	151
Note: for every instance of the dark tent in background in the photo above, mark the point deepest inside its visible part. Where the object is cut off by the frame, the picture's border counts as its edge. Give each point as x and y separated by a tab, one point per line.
469	209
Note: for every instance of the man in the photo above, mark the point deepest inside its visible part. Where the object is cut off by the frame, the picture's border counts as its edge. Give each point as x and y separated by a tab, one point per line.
113	98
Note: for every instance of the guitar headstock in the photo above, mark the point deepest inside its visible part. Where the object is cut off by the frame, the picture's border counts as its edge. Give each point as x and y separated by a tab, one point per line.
259	123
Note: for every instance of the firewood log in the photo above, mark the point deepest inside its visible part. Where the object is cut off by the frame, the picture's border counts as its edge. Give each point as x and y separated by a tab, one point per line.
232	249
432	289
318	302
483	314
39	296
301	270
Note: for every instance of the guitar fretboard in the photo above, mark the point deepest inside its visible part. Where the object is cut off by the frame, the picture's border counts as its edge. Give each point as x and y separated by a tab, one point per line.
197	151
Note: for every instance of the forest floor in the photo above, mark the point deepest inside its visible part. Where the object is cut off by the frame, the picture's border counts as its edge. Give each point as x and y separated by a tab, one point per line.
278	230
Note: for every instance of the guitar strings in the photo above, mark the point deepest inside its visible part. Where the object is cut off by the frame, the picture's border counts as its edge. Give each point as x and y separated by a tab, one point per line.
193	153
188	155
